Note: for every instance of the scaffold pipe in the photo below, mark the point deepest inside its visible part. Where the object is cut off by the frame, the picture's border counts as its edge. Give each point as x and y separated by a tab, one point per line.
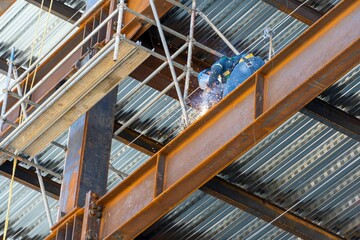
6	88
171	66
60	63
58	44
190	48
120	9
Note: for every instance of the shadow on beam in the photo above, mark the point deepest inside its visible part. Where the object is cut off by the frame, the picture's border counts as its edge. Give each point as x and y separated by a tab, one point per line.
29	178
58	9
260	208
303	13
333	117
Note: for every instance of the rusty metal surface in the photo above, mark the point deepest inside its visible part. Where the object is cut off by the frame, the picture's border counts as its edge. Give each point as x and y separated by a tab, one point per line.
4	5
86	165
342	96
192	159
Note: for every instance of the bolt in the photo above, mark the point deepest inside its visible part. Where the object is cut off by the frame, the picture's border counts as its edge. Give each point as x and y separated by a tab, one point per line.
94	195
100	208
92	212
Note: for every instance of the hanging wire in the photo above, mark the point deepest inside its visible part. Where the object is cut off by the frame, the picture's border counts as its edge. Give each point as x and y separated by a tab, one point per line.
169	113
300	200
42	42
40	50
274	28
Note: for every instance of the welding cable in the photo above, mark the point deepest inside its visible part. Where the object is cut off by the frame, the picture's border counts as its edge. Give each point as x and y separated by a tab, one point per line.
42	42
40	50
277	25
32	53
9	199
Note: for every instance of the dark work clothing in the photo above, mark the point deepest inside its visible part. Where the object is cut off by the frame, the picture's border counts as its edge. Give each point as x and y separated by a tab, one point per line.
220	70
241	72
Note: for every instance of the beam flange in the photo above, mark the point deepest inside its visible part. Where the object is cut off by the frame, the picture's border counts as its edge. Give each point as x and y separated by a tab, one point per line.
58	9
30	179
265	210
229	129
137	141
333	117
303	13
5	5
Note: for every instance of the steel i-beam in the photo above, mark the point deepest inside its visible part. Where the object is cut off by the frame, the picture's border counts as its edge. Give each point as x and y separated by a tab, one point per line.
291	79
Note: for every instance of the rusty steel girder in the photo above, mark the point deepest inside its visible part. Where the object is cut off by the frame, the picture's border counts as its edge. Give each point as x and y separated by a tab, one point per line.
294	77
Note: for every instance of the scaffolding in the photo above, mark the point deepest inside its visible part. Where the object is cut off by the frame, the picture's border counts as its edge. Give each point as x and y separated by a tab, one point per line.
121	56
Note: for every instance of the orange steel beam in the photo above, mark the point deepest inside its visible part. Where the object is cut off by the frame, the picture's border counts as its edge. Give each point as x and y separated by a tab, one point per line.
5	5
294	77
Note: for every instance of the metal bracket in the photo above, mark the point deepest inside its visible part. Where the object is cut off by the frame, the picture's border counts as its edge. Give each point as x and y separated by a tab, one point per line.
92	216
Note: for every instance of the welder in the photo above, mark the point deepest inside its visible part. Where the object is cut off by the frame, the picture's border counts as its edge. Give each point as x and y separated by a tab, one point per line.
225	75
246	66
210	95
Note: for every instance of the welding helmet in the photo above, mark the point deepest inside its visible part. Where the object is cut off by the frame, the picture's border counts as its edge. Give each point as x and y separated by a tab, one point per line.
203	78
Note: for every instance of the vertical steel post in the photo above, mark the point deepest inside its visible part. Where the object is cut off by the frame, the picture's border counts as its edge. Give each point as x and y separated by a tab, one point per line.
6	88
167	53
190	48
87	158
18	87
120	8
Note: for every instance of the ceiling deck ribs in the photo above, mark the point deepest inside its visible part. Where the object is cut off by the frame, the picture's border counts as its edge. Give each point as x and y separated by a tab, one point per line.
261	208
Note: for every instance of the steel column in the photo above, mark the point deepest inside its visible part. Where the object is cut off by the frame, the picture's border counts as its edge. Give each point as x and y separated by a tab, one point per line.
229	129
86	164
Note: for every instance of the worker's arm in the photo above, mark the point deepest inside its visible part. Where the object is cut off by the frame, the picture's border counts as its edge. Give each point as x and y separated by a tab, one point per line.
217	69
